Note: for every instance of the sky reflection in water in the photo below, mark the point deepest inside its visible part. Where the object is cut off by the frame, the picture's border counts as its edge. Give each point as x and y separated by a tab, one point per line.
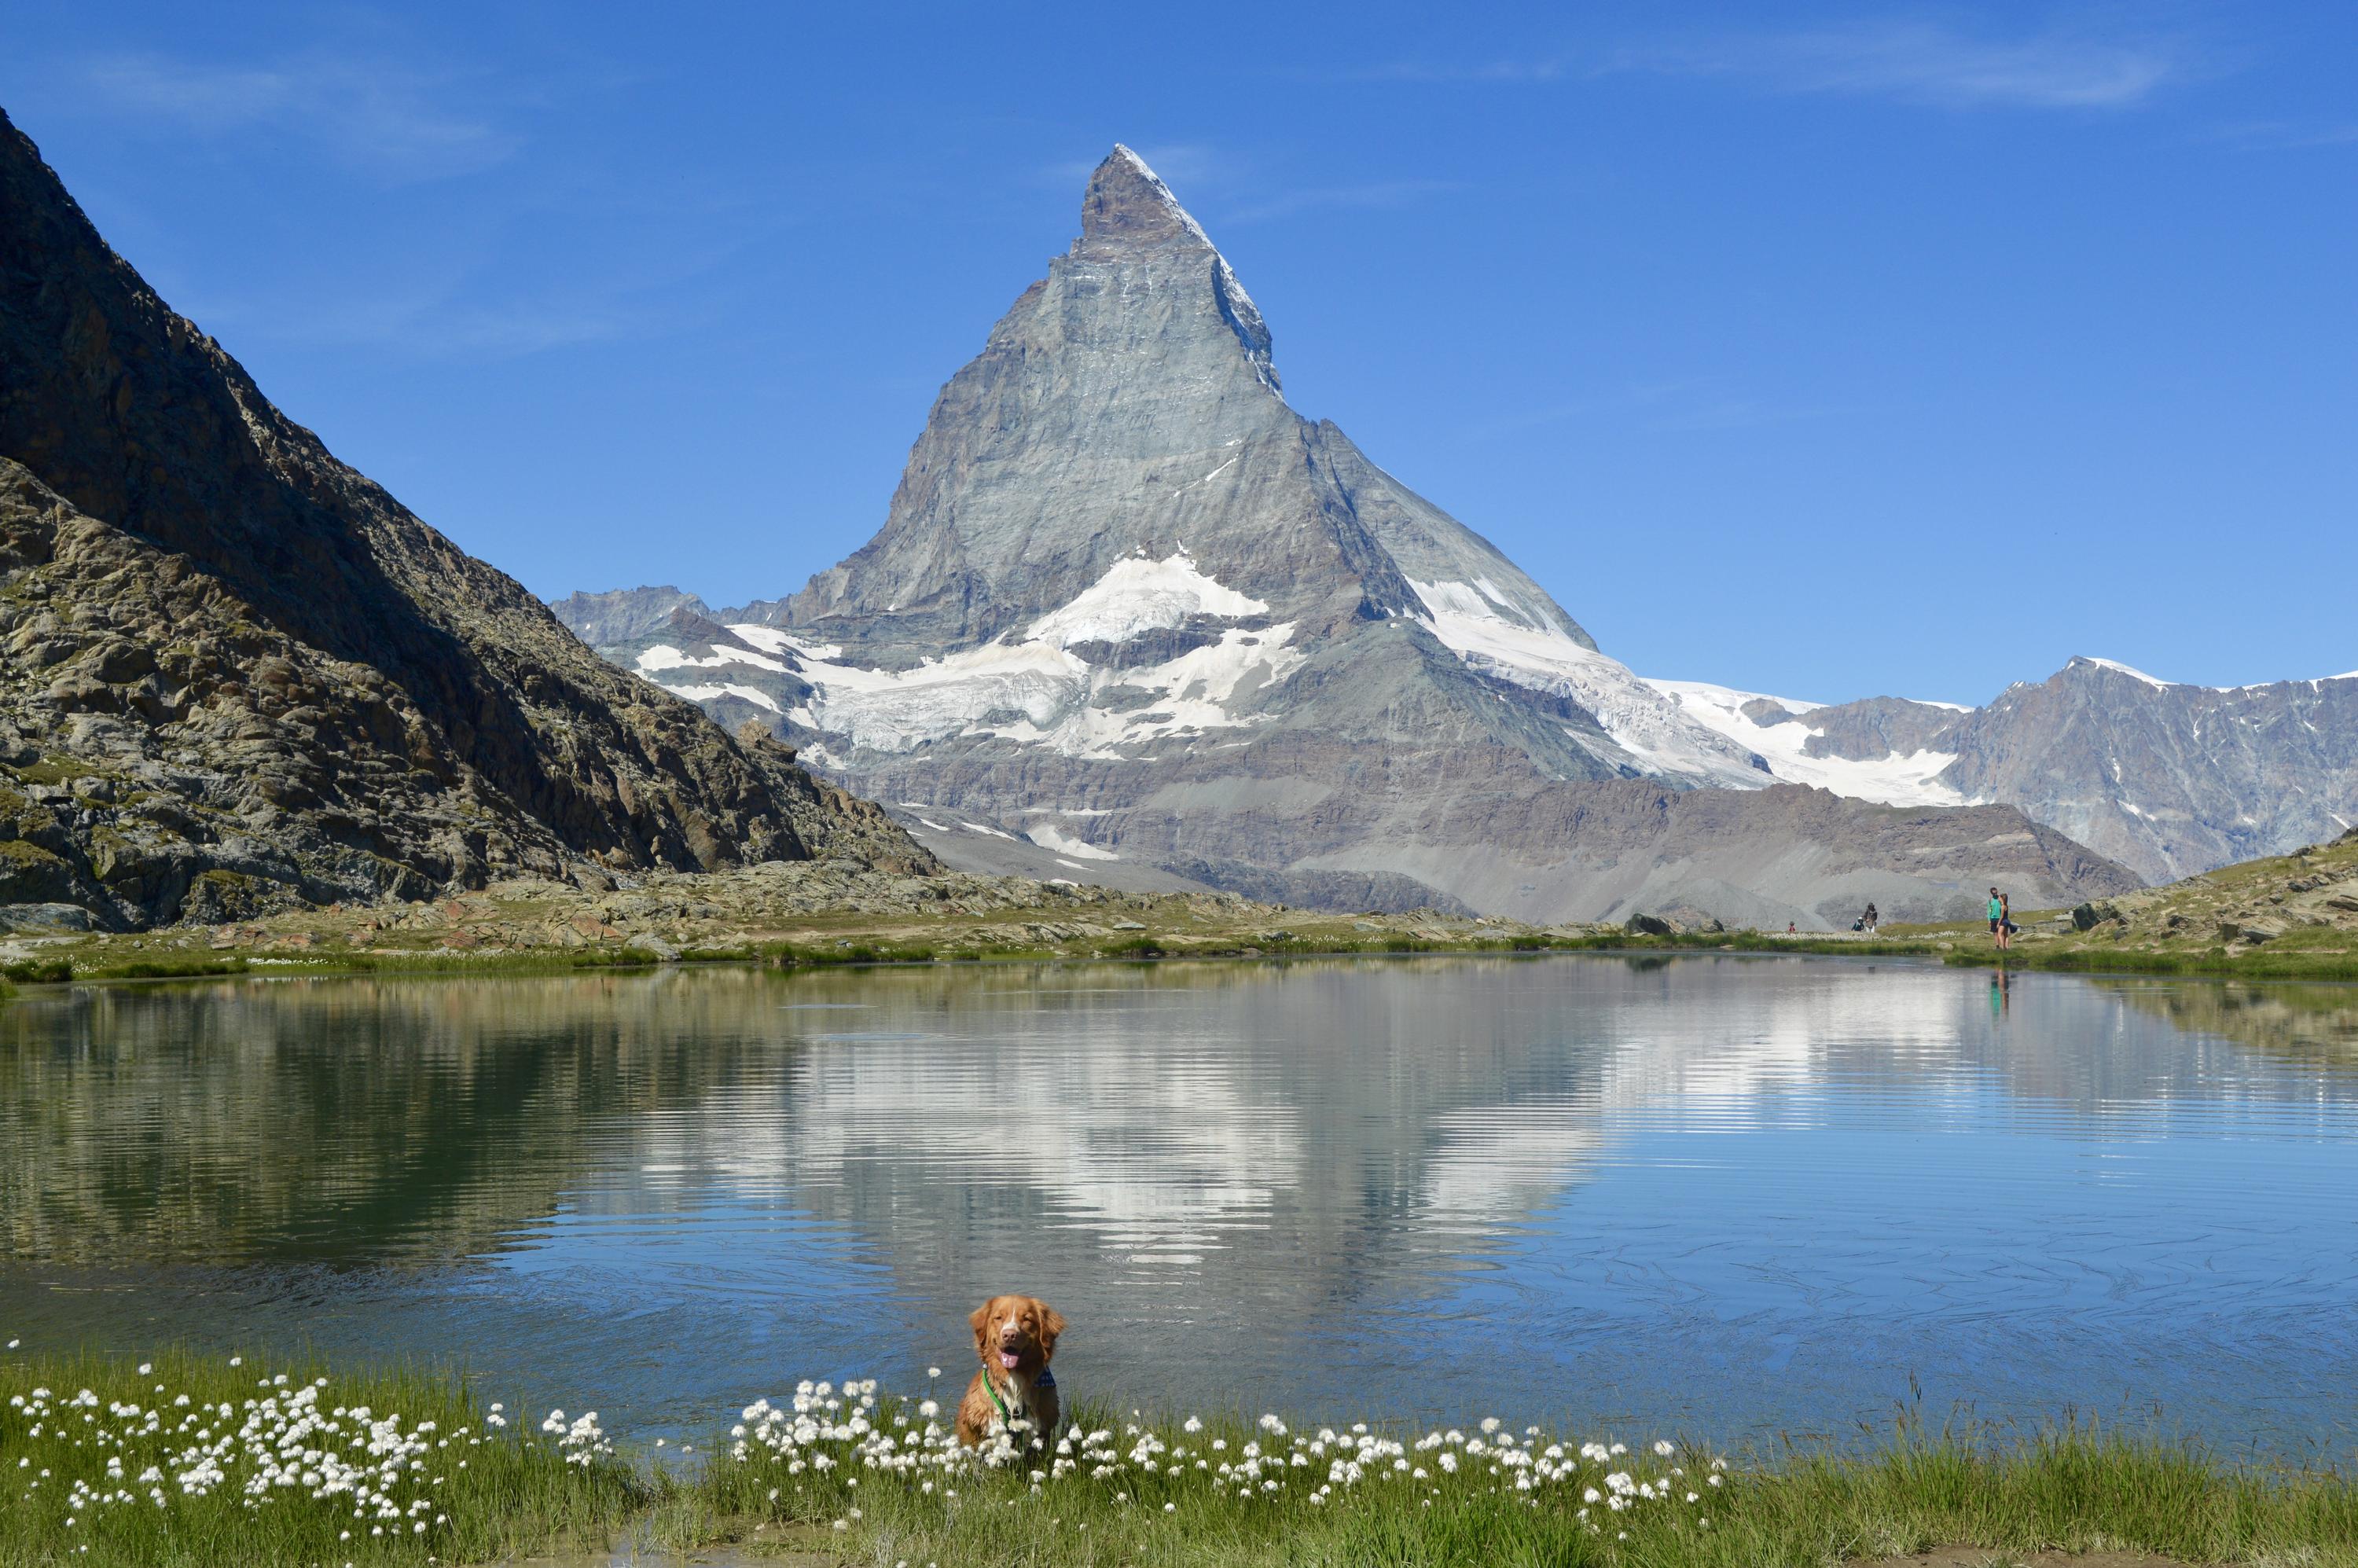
1727	1197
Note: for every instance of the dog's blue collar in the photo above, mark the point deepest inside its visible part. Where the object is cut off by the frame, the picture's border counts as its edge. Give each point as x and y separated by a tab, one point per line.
1046	1380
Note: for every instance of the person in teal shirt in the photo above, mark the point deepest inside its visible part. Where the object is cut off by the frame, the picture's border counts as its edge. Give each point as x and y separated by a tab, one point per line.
1997	919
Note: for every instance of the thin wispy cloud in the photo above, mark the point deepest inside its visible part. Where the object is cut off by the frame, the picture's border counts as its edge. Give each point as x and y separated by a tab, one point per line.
1501	70
377	115
2279	136
1925	62
436	323
1910	60
1382	194
1689	403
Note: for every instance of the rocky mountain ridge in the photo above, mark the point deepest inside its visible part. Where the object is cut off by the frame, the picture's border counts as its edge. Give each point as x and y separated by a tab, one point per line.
236	676
1130	605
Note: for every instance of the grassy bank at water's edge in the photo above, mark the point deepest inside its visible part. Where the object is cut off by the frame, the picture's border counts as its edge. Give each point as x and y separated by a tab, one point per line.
2288	917
191	1460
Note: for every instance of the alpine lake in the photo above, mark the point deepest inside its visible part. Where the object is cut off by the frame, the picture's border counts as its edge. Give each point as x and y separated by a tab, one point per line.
1736	1199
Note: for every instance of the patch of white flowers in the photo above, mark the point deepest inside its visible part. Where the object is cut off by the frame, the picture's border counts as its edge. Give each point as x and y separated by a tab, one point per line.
836	1435
158	1451
381	1477
581	1440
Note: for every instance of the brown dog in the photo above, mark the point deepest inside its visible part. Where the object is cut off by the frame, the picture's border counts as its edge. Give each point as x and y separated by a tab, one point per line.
1015	1338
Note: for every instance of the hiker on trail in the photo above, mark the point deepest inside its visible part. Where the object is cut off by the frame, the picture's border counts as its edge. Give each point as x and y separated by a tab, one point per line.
2006	926
1998	918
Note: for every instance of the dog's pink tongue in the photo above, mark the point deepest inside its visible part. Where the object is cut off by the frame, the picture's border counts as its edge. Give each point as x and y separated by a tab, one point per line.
1008	1358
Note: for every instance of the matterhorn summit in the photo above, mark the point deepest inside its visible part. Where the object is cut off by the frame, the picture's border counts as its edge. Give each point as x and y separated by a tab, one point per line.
1130	608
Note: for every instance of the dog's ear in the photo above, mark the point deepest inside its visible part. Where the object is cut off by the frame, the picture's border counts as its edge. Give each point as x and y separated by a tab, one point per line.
978	1318
1052	1323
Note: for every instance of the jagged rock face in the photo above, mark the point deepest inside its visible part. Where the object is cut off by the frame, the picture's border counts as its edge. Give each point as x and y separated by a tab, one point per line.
1129	603
276	683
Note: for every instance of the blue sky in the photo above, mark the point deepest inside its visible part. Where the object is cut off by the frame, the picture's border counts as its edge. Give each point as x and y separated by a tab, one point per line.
1829	350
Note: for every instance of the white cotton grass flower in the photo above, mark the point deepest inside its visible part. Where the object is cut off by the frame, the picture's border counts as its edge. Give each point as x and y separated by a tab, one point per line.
812	1455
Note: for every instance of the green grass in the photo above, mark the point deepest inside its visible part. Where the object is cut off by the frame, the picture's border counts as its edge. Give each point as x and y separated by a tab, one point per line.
433	961
423	962
2263	965
2292	959
870	1479
173	968
37	971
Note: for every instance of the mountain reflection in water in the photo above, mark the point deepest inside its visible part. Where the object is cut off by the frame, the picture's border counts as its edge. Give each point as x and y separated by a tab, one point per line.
1726	1196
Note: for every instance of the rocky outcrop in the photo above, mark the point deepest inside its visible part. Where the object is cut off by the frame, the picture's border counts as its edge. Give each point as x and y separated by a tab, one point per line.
235	674
1876	728
2304	904
1129	604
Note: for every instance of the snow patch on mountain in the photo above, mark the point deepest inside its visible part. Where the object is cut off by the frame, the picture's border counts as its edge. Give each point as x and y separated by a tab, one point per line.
664	656
777	641
1892	781
1048	839
2118	668
1036	691
1141	595
753	694
1196	693
897	711
1649	726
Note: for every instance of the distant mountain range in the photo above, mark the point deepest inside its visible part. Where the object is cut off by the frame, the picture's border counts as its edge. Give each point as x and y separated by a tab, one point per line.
2169	780
1129	606
235	675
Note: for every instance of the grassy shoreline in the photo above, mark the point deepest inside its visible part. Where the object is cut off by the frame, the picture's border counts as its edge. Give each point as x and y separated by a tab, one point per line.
2215	963
215	1461
2288	917
2293	917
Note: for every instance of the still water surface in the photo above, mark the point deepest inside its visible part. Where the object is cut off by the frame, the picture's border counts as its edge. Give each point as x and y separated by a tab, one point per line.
1726	1197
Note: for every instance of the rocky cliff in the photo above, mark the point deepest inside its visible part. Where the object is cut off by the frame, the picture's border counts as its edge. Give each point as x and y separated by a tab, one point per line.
1129	604
235	674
